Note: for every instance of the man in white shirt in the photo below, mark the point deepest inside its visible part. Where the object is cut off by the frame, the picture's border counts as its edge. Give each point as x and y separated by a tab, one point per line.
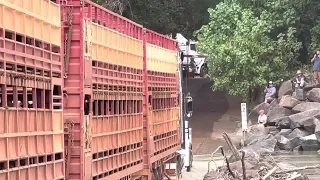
262	119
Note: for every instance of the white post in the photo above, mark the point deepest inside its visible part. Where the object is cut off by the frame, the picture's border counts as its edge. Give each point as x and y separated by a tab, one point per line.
187	144
244	121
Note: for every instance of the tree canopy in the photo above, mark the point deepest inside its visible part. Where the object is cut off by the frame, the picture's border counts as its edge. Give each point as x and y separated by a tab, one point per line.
246	49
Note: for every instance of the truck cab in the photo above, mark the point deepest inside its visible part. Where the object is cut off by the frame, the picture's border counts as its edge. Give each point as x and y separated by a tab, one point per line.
193	62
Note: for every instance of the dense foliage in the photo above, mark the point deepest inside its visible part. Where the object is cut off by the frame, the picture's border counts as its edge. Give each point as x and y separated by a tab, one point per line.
246	49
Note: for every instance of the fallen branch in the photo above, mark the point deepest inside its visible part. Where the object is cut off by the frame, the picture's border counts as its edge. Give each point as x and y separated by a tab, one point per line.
269	173
294	176
227	162
244	173
298	169
231	146
212	159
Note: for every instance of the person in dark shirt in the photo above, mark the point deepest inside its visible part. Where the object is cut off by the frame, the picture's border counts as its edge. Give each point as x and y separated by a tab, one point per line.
270	92
316	67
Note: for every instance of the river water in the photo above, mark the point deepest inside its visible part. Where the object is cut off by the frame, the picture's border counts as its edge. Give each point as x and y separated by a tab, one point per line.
300	160
200	164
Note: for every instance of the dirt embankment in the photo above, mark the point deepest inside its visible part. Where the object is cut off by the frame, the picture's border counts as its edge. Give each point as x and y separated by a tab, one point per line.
213	113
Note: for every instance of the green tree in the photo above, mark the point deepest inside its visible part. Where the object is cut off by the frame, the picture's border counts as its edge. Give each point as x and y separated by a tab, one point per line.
246	49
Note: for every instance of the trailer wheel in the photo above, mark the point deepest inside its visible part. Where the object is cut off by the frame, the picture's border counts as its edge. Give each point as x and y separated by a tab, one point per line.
188	168
204	70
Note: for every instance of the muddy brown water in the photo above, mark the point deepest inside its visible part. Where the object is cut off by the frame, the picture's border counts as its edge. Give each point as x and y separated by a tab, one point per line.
301	159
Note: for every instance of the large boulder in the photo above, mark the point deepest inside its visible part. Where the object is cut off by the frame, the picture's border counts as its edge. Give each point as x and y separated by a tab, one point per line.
262	144
288	101
314	95
307	123
292	140
309	87
277	112
254	114
301	94
288	144
304	114
317	131
284	132
310	143
283	122
271	130
306	106
285	89
298	133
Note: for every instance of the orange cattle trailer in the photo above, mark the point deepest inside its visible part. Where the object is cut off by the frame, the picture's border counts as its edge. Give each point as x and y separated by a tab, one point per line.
85	94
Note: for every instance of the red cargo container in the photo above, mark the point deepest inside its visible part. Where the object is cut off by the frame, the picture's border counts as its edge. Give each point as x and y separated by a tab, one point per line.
31	120
104	83
115	81
163	93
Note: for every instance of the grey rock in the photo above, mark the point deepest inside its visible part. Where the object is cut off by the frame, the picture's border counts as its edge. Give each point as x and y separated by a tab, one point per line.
314	95
262	144
284	132
306	106
277	112
288	101
305	114
301	94
309	87
317	131
271	130
297	149
285	89
298	133
308	123
283	122
310	143
288	144
275	102
254	114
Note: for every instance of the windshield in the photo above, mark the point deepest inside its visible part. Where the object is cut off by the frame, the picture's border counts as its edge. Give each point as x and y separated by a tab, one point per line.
193	47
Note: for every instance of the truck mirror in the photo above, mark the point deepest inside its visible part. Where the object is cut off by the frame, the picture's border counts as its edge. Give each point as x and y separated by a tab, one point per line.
189	104
181	56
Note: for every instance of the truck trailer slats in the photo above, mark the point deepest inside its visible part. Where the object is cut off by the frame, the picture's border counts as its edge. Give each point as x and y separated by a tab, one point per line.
31	115
85	93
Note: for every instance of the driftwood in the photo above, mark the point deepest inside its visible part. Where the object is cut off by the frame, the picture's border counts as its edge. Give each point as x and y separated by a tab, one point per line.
298	169
247	168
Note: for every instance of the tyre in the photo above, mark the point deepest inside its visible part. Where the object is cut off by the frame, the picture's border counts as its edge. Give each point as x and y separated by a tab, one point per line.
188	168
204	70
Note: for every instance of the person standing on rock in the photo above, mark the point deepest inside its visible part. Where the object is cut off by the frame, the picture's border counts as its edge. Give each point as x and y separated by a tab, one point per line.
270	92
316	67
262	119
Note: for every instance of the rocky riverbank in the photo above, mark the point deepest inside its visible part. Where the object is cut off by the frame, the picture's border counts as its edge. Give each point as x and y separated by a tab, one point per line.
293	119
293	125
